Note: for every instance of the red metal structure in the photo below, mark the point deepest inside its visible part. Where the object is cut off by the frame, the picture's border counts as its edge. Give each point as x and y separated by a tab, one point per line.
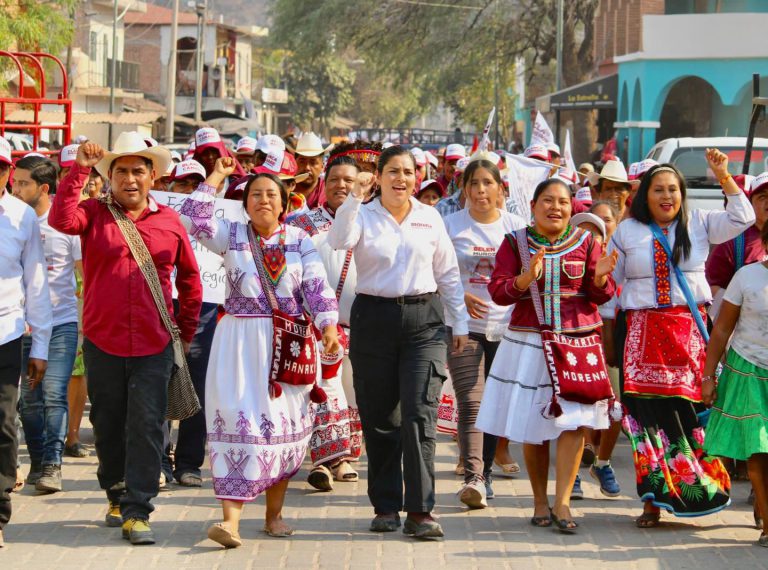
33	97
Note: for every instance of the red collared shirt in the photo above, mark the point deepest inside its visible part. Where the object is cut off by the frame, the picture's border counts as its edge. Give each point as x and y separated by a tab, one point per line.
119	313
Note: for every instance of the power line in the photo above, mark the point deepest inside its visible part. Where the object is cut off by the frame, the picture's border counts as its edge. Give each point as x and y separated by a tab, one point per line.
439	5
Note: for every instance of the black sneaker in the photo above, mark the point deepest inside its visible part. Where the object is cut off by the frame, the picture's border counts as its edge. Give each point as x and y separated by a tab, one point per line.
35	472
50	480
428	528
489	494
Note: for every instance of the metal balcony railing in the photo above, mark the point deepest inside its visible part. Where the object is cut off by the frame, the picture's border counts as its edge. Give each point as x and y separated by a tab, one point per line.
126	74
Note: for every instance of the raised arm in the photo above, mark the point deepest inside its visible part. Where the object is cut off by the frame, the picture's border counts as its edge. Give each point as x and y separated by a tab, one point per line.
67	214
738	215
197	210
347	227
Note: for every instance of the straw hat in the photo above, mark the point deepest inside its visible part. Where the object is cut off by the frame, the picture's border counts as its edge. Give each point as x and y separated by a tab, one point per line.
613	170
131	143
309	144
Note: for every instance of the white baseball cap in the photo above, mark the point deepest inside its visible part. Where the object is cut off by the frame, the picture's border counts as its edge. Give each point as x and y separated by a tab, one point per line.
583	194
637	169
207	137
431	158
246	145
537	151
67	155
757	183
269	143
418	156
462	163
455	152
5	151
553	148
188	168
588	218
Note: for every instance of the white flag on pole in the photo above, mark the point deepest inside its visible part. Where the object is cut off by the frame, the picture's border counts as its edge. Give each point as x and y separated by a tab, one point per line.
524	174
542	134
485	142
568	168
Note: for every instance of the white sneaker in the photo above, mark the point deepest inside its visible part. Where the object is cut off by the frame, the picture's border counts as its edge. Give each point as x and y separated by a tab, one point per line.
473	495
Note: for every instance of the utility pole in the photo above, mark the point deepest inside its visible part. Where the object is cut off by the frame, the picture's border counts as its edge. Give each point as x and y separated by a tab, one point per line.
200	8
113	72
559	68
170	97
496	74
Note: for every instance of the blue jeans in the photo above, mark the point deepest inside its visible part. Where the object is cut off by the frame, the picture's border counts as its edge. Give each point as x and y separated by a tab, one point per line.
44	410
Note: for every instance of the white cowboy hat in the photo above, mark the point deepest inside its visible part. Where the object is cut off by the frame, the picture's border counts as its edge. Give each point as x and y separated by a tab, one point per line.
309	144
613	170
131	143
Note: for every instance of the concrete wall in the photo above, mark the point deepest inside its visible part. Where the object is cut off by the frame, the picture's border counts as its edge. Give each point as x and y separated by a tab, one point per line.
704	36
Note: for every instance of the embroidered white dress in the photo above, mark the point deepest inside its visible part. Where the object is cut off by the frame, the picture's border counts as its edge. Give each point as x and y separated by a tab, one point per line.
337	432
254	441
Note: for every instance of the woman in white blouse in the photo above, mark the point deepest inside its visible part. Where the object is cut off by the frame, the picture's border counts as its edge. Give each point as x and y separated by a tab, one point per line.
398	338
664	352
477	231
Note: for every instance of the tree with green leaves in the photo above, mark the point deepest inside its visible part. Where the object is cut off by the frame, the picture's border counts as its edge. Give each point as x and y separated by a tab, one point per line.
34	25
319	88
27	25
450	51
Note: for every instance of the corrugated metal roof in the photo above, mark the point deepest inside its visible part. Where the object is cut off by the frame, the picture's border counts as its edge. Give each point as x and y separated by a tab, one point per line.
57	118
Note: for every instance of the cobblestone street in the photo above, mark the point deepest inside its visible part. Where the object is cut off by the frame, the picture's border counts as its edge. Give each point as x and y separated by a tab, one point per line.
65	530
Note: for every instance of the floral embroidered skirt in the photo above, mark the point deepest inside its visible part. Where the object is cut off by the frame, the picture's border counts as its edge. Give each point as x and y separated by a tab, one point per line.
254	441
333	437
738	425
518	388
671	467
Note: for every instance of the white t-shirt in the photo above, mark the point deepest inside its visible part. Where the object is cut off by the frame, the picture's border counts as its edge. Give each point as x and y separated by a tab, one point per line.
61	252
476	245
749	290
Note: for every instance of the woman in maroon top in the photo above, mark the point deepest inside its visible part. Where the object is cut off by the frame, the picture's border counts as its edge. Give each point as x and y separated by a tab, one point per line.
573	275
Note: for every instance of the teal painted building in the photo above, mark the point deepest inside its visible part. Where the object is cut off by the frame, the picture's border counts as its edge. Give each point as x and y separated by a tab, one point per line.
693	75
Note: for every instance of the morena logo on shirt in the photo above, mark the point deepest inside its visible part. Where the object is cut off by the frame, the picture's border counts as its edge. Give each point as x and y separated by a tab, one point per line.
421	226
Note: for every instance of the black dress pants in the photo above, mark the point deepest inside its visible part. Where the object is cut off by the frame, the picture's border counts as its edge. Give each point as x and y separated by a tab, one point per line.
398	354
129	398
10	371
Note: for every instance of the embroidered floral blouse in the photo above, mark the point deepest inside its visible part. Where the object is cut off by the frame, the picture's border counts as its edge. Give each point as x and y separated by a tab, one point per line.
303	276
566	285
648	281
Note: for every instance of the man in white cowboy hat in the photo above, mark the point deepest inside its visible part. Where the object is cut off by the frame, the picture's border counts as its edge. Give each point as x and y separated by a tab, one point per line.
127	349
309	153
613	185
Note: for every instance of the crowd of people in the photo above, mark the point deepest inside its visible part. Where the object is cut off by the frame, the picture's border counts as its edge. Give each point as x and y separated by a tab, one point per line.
362	281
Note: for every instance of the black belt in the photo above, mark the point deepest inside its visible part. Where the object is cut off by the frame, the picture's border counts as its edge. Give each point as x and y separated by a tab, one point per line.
402	300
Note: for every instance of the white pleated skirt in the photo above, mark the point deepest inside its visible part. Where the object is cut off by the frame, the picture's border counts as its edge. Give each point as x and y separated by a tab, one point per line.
517	390
254	441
